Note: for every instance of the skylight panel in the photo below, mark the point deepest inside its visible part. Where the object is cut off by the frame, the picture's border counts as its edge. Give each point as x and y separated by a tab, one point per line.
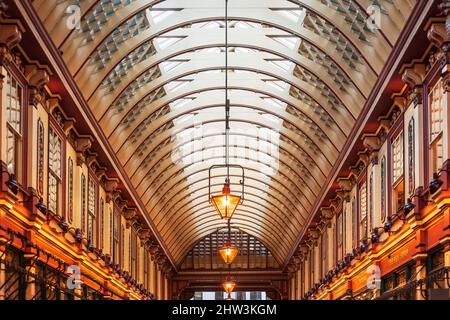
165	42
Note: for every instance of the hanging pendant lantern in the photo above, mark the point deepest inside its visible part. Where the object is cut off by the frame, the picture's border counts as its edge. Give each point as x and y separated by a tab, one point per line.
228	253
226	203
229	285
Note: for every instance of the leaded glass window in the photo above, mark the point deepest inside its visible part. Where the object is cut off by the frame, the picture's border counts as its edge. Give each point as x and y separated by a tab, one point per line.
340	236
54	171
70	189
383	188
397	158
133	254
411	162
398	190
116	239
437	103
13	123
91	221
371	192
40	157
354	222
324	253
363	211
102	223
122	247
83	202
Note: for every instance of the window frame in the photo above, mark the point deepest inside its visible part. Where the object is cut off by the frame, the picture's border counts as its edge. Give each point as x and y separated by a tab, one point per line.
52	128
19	137
92	215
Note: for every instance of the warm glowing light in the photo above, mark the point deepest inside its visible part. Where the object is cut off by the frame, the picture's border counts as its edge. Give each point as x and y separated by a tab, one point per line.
226	203
228	253
229	286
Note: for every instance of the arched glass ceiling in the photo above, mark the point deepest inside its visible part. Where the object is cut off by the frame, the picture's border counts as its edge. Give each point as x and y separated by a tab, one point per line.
152	73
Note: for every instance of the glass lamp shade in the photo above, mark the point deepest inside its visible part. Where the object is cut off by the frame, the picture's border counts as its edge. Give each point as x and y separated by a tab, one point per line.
226	203
228	253
229	286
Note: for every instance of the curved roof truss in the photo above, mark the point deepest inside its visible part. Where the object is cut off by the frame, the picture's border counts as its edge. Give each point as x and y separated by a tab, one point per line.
152	72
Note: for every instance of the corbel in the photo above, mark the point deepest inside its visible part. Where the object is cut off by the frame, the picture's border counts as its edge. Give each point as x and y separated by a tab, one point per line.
82	144
415	75
345	184
91	159
414	78
326	214
35	76
304	249
69	124
120	202
110	185
336	202
371	142
100	172
438	36
130	215
343	194
144	234
314	233
10	35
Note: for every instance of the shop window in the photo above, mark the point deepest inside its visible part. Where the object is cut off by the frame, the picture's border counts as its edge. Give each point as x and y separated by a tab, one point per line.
54	171
395	280
14	284
363	211
14	118
50	284
398	187
92	216
411	157
437	103
436	262
70	190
